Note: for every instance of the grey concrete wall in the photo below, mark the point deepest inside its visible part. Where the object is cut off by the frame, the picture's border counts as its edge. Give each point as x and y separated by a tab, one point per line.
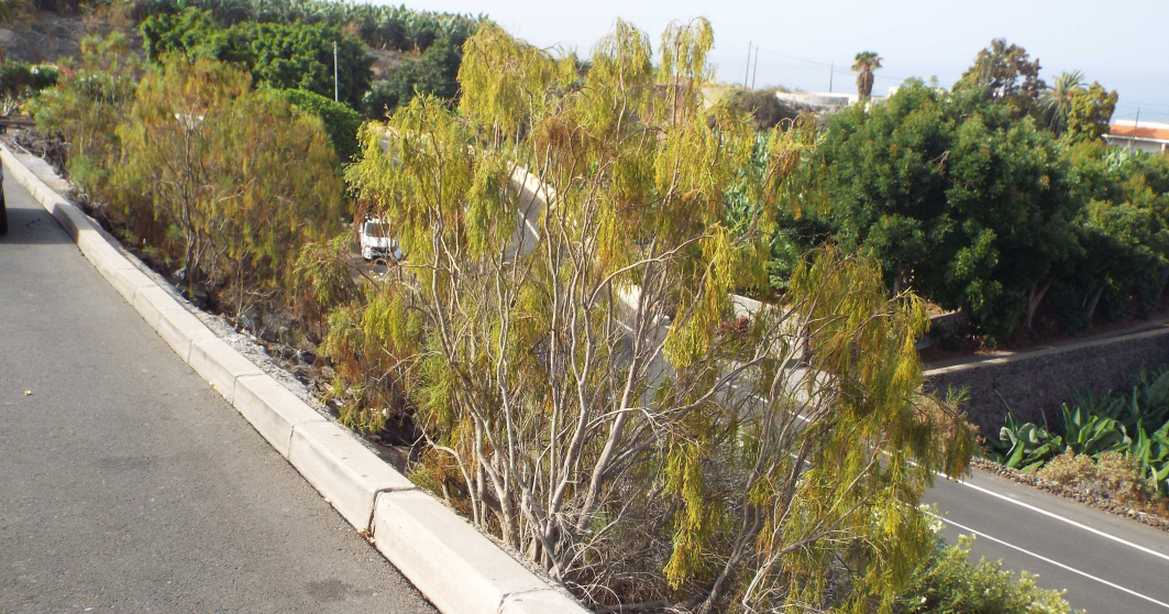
1033	384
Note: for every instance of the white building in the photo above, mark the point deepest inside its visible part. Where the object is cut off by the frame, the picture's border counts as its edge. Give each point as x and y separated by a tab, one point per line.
1145	136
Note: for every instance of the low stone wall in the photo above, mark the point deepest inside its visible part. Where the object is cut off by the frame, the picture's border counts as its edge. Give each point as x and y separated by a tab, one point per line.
1034	384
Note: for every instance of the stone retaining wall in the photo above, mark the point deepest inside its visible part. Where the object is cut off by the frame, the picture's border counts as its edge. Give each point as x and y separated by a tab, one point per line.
1034	384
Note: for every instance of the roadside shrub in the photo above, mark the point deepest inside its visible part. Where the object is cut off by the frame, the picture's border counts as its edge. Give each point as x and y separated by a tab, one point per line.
239	179
1111	475
616	451
340	120
90	98
1134	423
765	108
948	583
19	80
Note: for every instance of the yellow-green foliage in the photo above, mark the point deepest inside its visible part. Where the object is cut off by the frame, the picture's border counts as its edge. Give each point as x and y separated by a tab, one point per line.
85	107
586	387
239	178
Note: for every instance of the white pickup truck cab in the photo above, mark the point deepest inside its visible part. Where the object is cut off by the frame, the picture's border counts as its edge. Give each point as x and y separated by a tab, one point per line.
376	241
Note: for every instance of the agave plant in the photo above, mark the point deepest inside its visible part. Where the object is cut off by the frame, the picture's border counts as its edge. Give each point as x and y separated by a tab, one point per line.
1026	445
1152	452
1088	433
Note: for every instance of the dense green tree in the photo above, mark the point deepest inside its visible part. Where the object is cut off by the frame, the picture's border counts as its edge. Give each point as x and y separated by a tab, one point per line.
886	174
972	210
1015	213
282	55
381	26
1090	111
340	120
434	72
864	64
1006	73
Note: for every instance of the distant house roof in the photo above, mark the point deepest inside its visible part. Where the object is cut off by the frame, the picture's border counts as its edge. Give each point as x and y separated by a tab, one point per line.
1144	130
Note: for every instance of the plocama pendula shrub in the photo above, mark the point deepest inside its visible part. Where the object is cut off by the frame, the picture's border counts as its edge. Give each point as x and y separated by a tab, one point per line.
239	179
558	329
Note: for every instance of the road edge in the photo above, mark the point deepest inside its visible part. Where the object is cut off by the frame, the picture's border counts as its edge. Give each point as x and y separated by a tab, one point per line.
447	559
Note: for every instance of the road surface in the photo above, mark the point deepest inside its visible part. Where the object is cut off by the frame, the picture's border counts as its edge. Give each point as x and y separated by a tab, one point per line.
127	484
1108	564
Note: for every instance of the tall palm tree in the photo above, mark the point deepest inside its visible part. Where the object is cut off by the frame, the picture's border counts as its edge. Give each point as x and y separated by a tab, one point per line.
1056	101
863	65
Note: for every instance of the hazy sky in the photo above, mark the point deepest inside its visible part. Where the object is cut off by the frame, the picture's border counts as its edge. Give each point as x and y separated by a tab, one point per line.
1122	43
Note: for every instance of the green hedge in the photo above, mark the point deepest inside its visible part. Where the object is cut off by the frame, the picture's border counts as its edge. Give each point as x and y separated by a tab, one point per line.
341	121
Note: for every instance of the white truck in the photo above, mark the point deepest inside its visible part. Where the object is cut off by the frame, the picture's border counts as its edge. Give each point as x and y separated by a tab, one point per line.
376	242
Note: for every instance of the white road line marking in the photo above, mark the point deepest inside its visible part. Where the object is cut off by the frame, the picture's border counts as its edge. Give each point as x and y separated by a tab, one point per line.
1053	515
1053	562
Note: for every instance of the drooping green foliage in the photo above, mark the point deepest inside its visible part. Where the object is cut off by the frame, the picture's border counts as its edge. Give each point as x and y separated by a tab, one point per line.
282	55
564	330
211	160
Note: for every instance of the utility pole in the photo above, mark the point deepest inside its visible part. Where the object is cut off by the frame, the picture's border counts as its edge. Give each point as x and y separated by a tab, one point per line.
747	73
755	68
336	83
831	69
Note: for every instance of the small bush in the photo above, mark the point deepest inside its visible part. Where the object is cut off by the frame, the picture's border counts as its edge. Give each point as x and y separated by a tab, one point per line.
1111	475
948	583
766	109
20	80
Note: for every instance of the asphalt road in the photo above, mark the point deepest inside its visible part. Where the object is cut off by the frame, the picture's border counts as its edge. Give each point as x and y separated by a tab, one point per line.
1108	564
127	485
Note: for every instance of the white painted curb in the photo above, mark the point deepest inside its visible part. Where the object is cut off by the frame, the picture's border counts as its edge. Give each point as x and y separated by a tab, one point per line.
454	565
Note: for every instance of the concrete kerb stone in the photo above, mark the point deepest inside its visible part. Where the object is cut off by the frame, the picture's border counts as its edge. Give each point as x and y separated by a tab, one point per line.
220	364
150	301
455	565
347	473
540	601
128	281
452	564
272	409
180	329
